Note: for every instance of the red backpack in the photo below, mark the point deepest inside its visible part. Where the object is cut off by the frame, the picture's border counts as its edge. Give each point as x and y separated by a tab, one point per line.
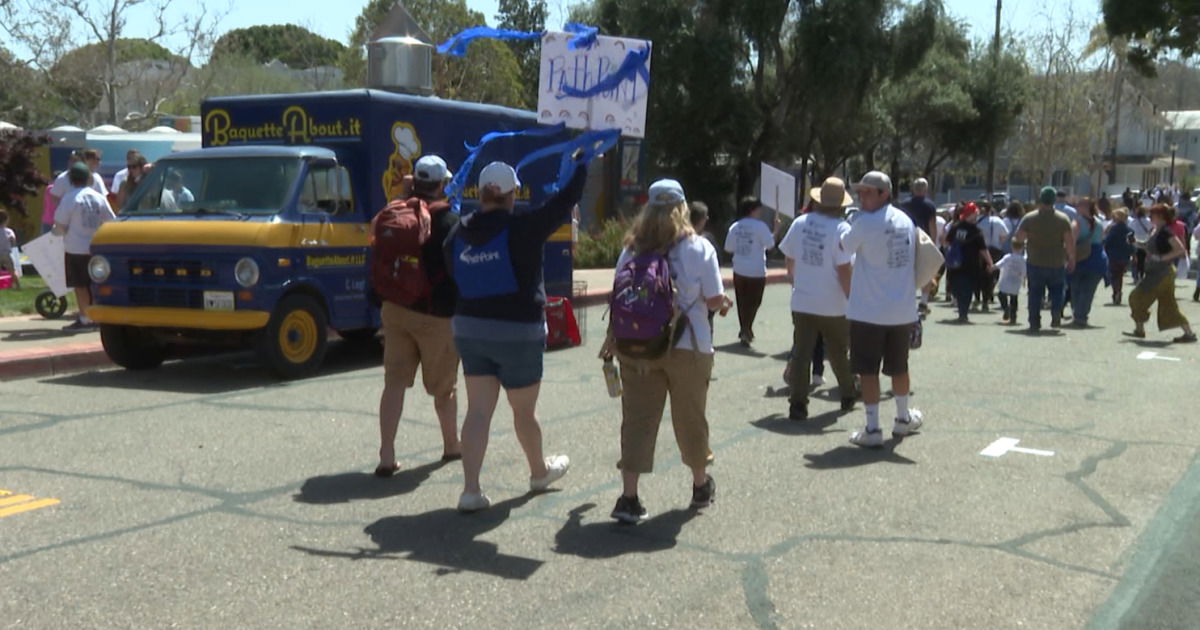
398	233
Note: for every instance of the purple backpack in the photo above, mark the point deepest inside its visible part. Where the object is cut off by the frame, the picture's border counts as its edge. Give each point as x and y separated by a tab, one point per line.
642	307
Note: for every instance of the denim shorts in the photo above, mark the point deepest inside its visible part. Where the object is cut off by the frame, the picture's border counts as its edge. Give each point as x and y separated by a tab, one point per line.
516	363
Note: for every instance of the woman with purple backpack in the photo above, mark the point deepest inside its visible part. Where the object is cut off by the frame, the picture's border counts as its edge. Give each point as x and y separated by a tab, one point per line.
664	358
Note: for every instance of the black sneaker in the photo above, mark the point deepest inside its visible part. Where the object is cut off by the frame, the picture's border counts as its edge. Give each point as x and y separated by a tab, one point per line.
703	496
798	411
848	403
629	510
1055	322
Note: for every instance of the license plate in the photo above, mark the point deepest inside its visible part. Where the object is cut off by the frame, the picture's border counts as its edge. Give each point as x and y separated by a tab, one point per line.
218	300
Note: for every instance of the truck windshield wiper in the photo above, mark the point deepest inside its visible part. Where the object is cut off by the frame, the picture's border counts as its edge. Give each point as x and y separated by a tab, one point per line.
232	213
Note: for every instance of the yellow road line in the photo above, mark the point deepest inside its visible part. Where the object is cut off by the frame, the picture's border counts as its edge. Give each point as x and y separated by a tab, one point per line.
25	507
19	498
4	493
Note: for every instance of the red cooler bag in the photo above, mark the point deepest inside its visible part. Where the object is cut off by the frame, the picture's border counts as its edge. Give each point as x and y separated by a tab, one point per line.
561	328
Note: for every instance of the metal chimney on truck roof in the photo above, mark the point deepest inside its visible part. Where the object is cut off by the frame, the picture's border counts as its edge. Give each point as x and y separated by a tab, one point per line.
399	56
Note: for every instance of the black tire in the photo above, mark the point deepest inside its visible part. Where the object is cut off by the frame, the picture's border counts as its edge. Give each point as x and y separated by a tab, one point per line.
131	347
359	336
50	306
294	342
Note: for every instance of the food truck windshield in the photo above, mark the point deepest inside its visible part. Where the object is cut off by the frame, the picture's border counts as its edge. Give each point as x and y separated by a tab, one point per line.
241	185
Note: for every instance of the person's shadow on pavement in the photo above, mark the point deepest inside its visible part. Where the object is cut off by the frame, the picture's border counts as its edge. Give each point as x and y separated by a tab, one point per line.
347	487
446	538
814	425
852	456
611	539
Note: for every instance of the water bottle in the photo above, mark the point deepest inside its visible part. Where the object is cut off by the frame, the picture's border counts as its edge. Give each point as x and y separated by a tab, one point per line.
612	378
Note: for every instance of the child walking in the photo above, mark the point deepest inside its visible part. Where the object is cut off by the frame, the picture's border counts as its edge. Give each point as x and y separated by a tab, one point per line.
1012	276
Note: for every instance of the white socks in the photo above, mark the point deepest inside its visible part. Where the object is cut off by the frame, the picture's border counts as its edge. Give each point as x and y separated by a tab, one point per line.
901	407
872	417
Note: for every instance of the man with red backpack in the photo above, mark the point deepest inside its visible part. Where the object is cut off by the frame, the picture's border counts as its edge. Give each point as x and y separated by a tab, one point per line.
408	274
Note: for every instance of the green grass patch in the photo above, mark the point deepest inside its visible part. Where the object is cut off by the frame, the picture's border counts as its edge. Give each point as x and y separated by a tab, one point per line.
16	301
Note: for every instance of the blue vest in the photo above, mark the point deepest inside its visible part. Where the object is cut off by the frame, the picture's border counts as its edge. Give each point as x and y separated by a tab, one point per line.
486	270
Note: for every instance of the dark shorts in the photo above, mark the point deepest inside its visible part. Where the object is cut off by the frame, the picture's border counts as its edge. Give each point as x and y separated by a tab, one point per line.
516	363
871	343
77	270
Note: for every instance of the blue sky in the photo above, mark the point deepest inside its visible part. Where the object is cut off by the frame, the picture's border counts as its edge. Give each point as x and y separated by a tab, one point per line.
1017	15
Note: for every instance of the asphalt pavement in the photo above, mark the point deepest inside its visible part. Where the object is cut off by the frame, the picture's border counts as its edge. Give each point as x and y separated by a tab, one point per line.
205	494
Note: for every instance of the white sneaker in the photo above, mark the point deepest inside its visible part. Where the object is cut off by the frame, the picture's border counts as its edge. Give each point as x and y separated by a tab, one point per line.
904	427
817	380
556	467
867	438
470	502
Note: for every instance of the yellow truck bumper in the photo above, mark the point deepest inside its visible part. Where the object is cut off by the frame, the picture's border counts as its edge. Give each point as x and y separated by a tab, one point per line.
179	317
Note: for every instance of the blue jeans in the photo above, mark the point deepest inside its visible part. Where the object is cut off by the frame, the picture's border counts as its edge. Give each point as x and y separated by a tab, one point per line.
962	286
1083	289
1040	279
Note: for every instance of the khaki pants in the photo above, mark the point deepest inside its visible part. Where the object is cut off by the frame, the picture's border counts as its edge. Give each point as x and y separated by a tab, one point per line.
683	374
836	332
1140	301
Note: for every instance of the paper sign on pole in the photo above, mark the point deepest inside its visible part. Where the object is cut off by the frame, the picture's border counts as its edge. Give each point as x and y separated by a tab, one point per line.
622	108
46	252
778	190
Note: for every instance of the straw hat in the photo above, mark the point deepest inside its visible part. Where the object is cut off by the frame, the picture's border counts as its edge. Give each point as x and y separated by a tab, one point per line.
831	194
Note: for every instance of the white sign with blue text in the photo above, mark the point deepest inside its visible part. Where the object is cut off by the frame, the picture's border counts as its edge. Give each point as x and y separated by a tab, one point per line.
566	72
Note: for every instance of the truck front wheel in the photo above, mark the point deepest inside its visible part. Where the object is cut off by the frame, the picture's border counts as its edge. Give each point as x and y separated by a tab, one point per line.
132	348
293	343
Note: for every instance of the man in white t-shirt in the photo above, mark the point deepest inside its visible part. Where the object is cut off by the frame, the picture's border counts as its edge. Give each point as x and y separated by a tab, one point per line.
175	194
62	184
131	159
881	307
749	239
820	273
79	216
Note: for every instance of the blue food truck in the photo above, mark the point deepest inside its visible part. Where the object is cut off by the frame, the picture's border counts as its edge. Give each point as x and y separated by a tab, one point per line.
259	239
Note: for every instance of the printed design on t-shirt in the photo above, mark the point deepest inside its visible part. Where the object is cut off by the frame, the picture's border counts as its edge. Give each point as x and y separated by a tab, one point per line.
484	270
899	244
812	245
90	217
744	245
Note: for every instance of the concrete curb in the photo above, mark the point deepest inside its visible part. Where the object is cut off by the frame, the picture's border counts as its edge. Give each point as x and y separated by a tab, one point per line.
52	361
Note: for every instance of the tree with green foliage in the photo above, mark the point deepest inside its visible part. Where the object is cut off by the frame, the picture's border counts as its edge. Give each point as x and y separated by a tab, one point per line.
488	74
230	75
51	29
928	109
1152	28
294	45
528	16
75	76
19	176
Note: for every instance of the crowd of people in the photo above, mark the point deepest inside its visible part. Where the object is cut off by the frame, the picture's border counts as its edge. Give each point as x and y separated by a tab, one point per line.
1064	249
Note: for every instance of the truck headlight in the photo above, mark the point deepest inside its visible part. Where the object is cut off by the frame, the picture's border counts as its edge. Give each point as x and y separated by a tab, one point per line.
246	272
98	269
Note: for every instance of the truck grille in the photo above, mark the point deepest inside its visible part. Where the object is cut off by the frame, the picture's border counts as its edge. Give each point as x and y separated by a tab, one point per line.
166	297
149	271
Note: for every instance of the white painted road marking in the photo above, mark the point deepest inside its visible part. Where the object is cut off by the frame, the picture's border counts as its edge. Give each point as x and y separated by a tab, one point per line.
1005	445
1150	354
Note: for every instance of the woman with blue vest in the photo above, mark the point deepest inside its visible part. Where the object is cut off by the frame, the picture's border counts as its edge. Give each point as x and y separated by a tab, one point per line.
499	321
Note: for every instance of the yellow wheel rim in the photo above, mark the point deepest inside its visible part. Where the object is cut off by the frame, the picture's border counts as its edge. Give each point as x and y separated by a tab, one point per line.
298	336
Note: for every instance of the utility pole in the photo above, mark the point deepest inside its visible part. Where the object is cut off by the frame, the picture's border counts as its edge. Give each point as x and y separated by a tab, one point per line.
991	164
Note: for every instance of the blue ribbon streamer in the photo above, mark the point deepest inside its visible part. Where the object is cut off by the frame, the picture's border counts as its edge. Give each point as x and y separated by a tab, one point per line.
457	46
585	36
592	144
454	189
631	68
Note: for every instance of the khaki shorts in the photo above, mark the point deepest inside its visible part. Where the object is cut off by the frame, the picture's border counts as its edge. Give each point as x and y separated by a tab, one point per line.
872	343
410	339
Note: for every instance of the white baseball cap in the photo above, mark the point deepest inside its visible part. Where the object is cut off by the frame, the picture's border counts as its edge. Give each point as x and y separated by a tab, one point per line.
666	192
431	168
500	175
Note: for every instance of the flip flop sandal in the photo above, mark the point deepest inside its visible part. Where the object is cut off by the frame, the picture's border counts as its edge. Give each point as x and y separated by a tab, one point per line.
386	471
